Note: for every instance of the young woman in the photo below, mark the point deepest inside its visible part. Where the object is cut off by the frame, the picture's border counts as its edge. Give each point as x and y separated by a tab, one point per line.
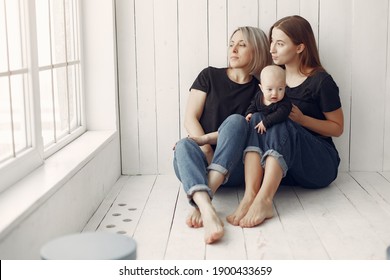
216	104
301	149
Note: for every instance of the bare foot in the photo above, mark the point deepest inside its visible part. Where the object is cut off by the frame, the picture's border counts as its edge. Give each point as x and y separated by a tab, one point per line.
260	210
240	212
195	219
213	226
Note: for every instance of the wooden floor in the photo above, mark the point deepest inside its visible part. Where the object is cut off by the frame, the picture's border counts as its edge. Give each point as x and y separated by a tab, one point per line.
348	220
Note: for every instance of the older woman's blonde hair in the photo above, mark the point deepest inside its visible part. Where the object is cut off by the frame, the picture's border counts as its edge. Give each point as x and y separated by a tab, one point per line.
258	41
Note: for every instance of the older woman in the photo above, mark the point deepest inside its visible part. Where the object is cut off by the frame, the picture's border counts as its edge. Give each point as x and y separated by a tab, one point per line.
217	102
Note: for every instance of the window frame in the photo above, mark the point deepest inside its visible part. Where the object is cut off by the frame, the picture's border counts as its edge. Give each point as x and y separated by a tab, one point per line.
23	163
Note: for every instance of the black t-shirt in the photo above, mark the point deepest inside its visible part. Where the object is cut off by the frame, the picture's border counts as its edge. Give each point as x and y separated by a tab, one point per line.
317	95
224	97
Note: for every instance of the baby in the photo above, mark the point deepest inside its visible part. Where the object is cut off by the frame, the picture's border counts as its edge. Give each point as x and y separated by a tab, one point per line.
270	100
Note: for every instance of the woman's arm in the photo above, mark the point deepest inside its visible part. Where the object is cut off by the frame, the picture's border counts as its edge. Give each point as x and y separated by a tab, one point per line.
333	126
209	138
195	105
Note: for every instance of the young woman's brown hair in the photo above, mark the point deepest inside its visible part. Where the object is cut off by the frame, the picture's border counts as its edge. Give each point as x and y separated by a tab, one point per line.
299	31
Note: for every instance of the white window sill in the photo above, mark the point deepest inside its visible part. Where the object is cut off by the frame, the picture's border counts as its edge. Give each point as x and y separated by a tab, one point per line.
21	199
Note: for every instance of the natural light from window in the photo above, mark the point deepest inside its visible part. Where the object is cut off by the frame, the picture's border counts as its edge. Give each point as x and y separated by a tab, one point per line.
59	68
15	128
41	101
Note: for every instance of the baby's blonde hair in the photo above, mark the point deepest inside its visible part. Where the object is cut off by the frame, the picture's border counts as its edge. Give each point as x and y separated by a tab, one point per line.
275	70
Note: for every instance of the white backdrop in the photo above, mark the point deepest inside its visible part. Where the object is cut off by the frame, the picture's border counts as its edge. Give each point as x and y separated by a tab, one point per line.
163	45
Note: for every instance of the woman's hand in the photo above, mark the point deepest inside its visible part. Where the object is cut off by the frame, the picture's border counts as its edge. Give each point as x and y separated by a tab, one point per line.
209	138
332	126
296	114
200	140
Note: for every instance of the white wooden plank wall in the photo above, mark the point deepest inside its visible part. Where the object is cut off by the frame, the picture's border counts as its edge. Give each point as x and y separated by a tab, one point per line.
163	45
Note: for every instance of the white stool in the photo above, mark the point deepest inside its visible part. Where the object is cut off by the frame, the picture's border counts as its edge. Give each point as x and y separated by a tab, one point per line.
90	246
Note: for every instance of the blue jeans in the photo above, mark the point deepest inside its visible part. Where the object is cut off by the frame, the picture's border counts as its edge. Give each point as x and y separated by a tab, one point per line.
191	166
305	159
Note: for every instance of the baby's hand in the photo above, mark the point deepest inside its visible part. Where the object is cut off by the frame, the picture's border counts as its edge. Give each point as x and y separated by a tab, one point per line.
248	117
260	128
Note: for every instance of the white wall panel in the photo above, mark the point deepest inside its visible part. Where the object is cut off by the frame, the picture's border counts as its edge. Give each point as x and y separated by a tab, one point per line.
193	47
163	45
287	8
99	74
309	10
242	13
167	81
146	85
218	34
386	154
369	48
337	61
267	14
127	86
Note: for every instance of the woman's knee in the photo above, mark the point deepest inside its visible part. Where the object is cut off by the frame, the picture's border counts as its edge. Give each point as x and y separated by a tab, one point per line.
234	123
184	145
255	119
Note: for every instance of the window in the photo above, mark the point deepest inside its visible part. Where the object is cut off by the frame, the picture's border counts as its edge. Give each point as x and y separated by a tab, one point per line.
41	100
59	68
15	135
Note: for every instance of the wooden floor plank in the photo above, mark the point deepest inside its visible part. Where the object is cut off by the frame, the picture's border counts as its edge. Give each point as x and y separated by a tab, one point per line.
347	220
355	227
184	243
268	241
154	227
371	211
376	185
125	212
386	174
367	206
232	245
324	222
302	238
334	219
95	221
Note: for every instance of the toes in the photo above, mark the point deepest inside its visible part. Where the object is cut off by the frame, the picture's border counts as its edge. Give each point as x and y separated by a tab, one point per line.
189	222
214	237
232	221
194	220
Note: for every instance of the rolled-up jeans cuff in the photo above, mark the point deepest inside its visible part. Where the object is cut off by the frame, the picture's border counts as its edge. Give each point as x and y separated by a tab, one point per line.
220	169
251	149
198	188
278	157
